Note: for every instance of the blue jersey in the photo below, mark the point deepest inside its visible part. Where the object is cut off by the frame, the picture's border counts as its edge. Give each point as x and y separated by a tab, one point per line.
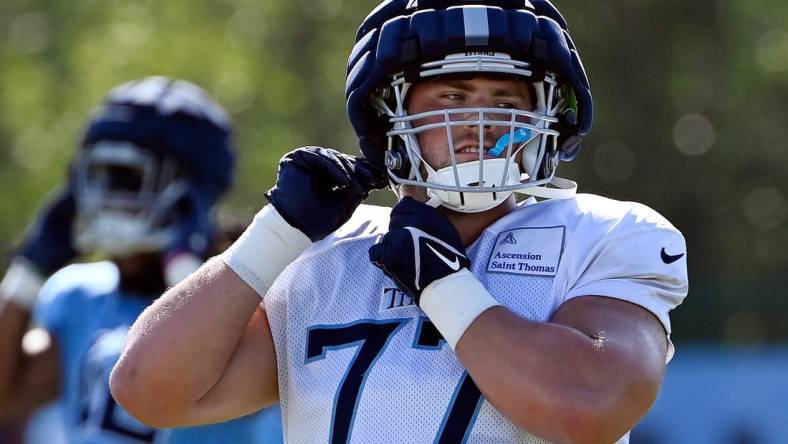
83	309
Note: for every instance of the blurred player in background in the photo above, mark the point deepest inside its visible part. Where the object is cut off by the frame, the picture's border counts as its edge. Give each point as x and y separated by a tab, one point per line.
459	315
155	160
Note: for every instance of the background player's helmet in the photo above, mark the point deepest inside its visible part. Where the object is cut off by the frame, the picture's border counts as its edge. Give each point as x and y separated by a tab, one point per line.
155	153
406	41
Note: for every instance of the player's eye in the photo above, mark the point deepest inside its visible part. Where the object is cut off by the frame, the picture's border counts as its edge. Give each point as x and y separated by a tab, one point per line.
453	96
506	105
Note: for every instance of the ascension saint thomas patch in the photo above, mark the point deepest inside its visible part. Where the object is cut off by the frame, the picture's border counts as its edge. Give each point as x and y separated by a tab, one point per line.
527	251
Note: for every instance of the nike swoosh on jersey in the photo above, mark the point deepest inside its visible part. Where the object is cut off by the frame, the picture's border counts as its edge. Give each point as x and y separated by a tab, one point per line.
454	265
669	258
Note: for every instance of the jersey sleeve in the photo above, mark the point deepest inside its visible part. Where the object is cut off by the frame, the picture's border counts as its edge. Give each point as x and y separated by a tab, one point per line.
51	310
640	258
61	301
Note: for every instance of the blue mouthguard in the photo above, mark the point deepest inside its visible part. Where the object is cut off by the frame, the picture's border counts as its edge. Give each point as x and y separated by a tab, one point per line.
520	135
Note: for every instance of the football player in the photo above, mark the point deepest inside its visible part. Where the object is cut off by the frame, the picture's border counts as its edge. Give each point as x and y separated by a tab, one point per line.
155	159
459	315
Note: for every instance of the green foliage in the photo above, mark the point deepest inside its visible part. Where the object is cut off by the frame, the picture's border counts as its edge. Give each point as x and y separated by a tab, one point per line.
690	113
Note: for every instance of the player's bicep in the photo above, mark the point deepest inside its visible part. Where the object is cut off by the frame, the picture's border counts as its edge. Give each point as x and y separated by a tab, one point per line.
249	382
625	332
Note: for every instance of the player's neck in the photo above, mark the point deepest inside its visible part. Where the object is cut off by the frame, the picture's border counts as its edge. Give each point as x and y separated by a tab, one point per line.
471	225
141	275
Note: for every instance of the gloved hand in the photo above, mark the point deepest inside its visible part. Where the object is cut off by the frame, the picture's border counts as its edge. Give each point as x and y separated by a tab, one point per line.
194	234
421	246
194	228
48	246
317	189
49	243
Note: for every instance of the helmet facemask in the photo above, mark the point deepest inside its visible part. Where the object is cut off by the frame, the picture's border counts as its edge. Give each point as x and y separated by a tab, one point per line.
522	157
126	199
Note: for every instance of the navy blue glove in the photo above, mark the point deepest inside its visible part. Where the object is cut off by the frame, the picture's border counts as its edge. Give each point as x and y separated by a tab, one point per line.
49	243
421	246
195	230
317	189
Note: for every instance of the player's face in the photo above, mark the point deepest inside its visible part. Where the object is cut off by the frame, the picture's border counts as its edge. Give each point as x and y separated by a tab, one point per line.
470	92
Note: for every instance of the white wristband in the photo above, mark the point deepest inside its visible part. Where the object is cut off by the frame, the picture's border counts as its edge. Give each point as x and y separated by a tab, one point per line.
21	284
454	302
265	249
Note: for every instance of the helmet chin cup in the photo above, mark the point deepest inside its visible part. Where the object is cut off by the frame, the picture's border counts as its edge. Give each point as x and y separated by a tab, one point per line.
467	177
530	156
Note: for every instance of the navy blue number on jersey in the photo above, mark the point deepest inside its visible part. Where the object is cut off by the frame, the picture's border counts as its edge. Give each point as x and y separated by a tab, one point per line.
371	338
117	421
467	398
111	418
99	413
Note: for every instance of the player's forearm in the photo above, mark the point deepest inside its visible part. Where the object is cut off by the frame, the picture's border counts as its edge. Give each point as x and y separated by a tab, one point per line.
184	344
180	347
28	378
37	381
13	325
19	289
553	380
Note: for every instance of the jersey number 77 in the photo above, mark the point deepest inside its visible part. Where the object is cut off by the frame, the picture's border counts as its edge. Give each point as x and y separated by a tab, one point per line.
371	338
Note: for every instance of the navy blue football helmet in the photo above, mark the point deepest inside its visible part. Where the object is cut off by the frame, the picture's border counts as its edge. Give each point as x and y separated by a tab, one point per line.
403	42
155	158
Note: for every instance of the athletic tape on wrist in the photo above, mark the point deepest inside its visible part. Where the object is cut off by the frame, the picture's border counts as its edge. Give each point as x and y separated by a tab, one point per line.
454	302
265	249
21	284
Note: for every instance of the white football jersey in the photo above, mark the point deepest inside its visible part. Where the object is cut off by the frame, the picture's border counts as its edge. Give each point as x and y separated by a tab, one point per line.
358	362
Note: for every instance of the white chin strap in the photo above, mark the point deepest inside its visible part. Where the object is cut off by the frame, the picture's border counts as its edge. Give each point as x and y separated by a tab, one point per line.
467	176
118	235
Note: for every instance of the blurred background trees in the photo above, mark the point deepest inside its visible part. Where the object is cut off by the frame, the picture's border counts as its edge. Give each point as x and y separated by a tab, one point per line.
690	114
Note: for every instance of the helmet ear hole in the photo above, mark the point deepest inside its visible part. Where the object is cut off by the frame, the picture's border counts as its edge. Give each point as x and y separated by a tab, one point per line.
397	160
549	160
